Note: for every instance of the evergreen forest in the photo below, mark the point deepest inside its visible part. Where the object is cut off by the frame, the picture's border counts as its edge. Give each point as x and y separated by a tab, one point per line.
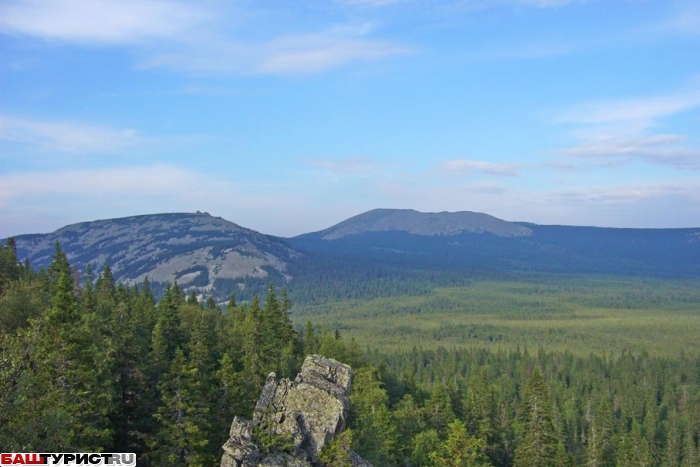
91	364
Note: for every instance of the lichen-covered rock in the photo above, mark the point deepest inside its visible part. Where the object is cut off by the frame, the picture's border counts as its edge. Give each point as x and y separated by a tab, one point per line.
283	460
306	413
239	450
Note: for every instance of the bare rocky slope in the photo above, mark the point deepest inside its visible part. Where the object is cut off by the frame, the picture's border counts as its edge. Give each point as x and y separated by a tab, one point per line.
198	251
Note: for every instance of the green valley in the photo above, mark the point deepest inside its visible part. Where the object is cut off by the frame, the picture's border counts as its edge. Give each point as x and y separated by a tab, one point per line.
580	314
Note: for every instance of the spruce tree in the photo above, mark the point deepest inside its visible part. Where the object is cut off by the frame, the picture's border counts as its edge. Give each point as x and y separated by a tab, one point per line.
310	341
229	397
127	343
167	334
254	371
691	457
634	449
537	446
599	452
10	269
439	408
409	420
58	266
192	298
423	445
374	432
460	449
183	423
70	379
672	454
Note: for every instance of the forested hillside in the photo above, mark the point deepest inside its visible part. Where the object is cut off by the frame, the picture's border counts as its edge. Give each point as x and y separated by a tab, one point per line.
87	364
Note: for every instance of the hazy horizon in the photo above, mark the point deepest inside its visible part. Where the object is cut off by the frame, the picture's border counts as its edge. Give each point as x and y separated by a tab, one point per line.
306	231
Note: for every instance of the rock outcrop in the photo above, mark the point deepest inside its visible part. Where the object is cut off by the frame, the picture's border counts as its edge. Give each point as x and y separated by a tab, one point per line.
297	417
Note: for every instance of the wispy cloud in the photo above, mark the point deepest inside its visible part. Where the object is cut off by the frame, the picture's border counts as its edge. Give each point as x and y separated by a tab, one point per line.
624	194
194	37
674	203
640	112
320	52
101	21
618	132
347	165
663	149
213	38
685	21
66	136
469	166
296	54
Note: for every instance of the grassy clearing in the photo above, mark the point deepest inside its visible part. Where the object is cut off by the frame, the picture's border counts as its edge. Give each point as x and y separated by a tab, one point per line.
578	314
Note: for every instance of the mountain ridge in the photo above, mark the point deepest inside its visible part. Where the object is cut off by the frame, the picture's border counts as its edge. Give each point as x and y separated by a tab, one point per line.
362	255
421	223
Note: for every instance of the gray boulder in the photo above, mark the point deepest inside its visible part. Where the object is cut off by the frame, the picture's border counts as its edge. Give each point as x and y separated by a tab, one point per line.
305	414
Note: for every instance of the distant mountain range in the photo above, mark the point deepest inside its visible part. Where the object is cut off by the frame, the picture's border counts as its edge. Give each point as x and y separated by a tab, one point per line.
217	257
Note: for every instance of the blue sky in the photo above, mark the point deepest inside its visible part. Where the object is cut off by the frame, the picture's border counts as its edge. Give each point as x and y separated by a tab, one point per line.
287	117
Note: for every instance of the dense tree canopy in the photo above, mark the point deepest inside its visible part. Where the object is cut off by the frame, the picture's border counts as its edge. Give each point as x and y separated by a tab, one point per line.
87	364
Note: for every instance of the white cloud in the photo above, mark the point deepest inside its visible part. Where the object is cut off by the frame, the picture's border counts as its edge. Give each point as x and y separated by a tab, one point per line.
299	54
604	196
193	37
663	149
640	112
347	165
215	37
321	52
617	132
101	21
643	205
65	136
461	166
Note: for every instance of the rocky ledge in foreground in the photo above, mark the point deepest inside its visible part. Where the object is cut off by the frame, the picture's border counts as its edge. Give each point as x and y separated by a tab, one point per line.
294	420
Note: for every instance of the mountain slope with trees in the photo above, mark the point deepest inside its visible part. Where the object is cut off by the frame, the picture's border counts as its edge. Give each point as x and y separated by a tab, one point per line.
488	245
